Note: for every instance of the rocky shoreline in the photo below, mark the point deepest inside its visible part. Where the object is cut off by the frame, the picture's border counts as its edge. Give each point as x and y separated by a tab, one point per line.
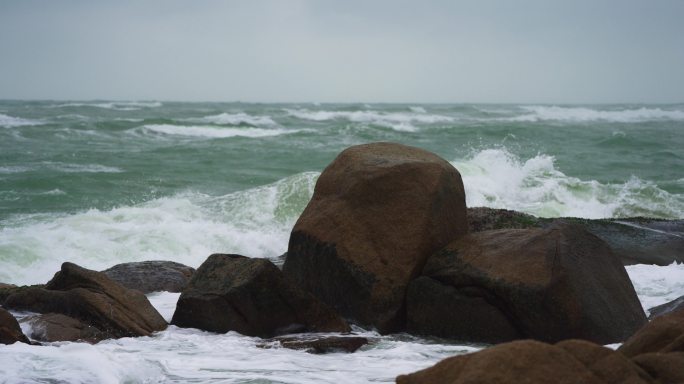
388	243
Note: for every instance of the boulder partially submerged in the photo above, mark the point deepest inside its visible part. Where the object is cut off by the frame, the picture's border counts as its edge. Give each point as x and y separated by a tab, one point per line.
51	327
92	298
549	284
252	297
378	211
10	331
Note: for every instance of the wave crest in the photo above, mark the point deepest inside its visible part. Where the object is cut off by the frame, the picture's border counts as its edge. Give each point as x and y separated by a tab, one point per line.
582	114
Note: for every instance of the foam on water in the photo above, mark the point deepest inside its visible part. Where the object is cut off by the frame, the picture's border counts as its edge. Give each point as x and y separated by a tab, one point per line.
185	228
60	167
215	132
114	105
656	285
498	179
236	119
399	121
583	115
7	121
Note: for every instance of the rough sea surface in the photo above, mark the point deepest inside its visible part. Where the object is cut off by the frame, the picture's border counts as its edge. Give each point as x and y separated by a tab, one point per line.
104	182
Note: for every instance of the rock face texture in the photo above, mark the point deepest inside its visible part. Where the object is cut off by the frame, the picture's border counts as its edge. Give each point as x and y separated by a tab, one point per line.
92	298
10	332
252	297
378	211
52	327
662	335
151	276
532	362
545	284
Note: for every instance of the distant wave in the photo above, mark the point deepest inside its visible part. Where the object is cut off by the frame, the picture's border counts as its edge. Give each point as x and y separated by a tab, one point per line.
399	121
60	167
582	114
214	131
498	179
115	105
10	121
236	119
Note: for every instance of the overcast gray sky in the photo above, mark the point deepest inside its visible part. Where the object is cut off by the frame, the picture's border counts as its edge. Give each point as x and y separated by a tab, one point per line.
344	51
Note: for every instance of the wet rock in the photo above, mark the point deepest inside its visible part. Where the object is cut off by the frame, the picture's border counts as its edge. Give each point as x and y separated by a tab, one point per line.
92	298
377	212
488	219
533	362
667	368
151	276
252	297
663	309
52	327
321	344
546	284
10	332
663	334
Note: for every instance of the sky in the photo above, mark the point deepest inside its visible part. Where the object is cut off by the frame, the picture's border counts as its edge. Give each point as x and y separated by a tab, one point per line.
522	51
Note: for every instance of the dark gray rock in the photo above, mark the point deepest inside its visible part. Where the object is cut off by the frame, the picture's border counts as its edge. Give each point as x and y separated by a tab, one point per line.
92	298
319	344
151	276
548	284
252	297
663	309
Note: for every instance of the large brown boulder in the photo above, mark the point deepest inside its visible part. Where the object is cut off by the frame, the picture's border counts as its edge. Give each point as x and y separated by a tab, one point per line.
663	334
52	327
377	212
151	276
252	297
533	362
92	298
10	332
546	284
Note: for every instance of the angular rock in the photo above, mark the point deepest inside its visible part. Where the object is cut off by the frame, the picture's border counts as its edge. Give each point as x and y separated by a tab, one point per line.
377	212
252	297
10	331
322	344
667	368
545	284
663	309
663	334
151	276
92	298
52	327
533	362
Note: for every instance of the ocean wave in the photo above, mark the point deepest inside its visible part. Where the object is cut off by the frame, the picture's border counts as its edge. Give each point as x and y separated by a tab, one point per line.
236	119
186	228
581	114
399	121
214	131
498	179
11	121
115	105
59	167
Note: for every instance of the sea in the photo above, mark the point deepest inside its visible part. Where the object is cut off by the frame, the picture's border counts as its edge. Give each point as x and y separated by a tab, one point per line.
102	182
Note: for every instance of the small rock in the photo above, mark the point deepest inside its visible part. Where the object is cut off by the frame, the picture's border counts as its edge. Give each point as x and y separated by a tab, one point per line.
10	332
663	309
52	327
151	276
321	344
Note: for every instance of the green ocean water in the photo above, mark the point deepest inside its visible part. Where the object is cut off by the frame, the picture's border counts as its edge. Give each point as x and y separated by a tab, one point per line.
101	182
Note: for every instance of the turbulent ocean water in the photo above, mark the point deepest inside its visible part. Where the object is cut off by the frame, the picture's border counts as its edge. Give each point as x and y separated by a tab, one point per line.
100	183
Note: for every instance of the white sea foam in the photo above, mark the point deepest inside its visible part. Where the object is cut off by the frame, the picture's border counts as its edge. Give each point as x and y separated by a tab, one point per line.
581	114
417	109
185	228
216	132
236	119
399	121
115	105
11	121
498	179
657	285
59	167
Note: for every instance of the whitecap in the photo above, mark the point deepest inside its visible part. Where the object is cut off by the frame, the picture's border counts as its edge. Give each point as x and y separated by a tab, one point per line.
236	119
498	179
11	121
214	131
583	115
399	121
656	285
79	168
114	105
417	109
